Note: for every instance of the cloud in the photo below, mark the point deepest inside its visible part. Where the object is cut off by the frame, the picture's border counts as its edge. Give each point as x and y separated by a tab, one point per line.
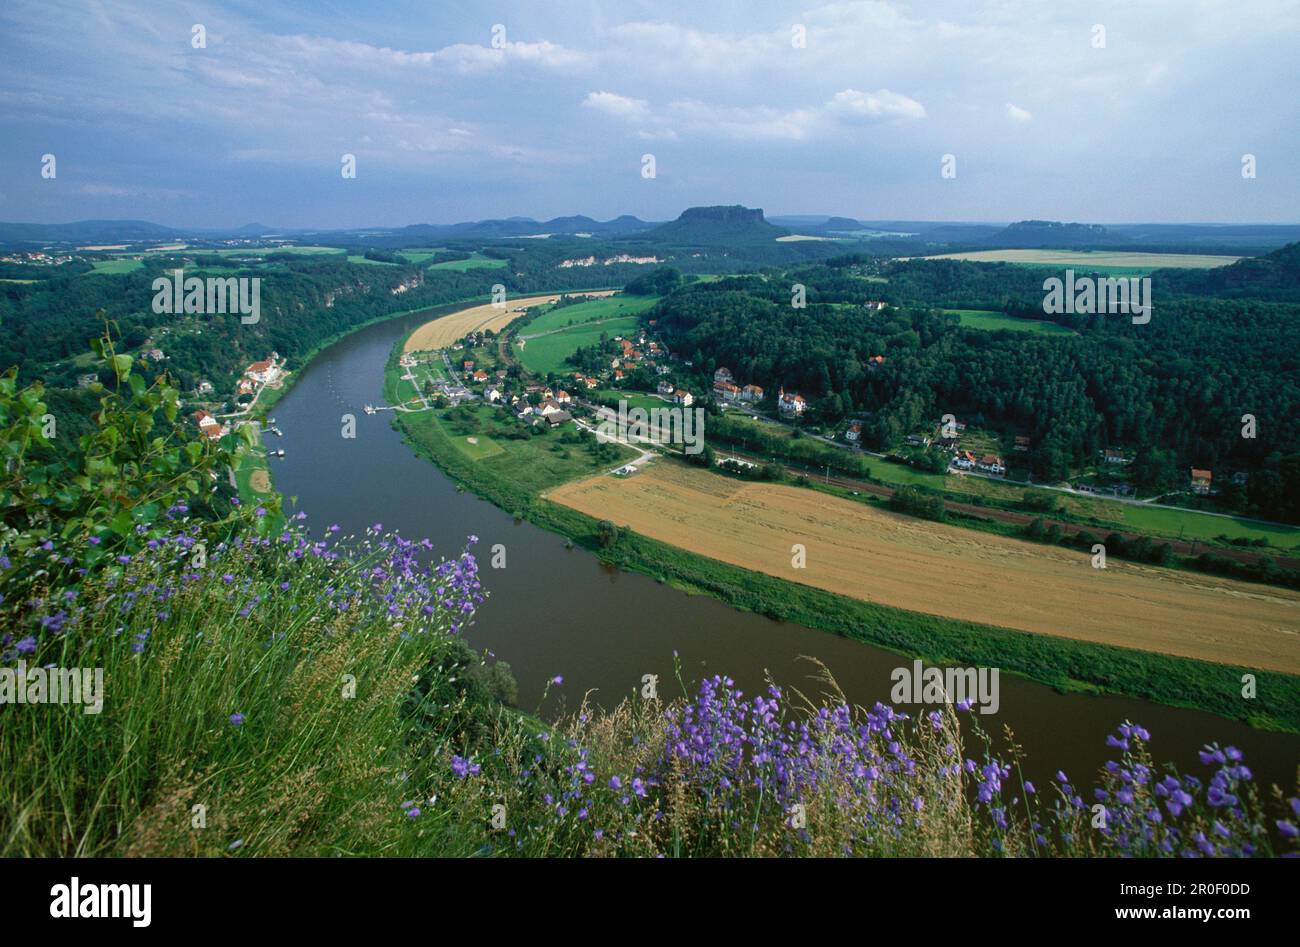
758	122
1017	114
853	105
620	106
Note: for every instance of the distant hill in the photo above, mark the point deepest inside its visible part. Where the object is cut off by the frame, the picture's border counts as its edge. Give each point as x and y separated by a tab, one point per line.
711	226
527	227
86	231
1051	234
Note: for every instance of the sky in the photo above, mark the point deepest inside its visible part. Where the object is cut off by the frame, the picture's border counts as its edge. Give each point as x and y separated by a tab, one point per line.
222	114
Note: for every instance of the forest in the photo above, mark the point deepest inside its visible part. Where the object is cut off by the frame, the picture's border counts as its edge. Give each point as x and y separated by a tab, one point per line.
1179	389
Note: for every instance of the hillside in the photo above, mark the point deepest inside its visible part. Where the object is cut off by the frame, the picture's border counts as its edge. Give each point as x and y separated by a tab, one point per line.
711	226
1275	276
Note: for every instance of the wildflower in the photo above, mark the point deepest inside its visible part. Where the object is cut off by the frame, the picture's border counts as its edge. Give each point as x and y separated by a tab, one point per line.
236	719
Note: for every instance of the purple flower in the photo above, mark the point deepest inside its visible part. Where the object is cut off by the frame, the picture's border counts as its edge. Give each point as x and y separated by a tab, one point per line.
236	719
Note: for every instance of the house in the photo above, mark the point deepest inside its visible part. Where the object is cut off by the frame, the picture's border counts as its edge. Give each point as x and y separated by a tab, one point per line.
1114	457
918	440
204	387
854	433
665	387
874	304
992	463
626	470
563	397
263	372
590	382
1201	481
154	354
790	404
468	364
722	375
751	393
213	429
662	369
726	390
548	407
683	397
492	394
480	375
525	409
948	443
556	418
1022	442
618	374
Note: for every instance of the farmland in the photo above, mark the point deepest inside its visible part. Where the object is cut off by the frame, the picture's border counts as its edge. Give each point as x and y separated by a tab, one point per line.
1117	262
596	309
113	267
930	568
548	353
475	261
443	331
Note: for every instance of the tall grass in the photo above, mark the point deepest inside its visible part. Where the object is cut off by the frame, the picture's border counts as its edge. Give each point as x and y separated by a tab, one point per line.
262	681
279	694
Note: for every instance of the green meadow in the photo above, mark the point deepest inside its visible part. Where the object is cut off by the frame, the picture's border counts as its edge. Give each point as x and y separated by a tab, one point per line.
474	262
113	267
994	321
548	353
604	308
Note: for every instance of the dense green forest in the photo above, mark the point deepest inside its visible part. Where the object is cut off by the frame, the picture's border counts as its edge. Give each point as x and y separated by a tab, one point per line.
1176	388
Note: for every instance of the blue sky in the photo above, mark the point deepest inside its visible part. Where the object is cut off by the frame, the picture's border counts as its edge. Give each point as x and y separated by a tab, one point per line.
555	118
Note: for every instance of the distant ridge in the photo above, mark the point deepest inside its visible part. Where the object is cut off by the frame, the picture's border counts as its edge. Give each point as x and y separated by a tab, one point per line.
1036	234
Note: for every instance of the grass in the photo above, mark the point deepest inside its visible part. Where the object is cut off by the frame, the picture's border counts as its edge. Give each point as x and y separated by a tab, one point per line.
114	267
596	309
994	321
634	399
549	352
419	254
476	261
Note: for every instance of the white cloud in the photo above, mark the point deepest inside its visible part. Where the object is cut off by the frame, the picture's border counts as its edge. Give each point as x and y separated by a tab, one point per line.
1017	114
855	105
758	123
620	106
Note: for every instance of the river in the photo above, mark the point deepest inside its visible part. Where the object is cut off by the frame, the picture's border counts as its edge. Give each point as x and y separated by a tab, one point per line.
557	611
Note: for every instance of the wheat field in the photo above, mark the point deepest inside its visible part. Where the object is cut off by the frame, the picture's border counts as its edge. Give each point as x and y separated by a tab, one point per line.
922	566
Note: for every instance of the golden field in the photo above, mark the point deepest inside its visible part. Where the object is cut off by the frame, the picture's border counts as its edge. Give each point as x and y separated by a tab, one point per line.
443	331
1101	258
891	559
